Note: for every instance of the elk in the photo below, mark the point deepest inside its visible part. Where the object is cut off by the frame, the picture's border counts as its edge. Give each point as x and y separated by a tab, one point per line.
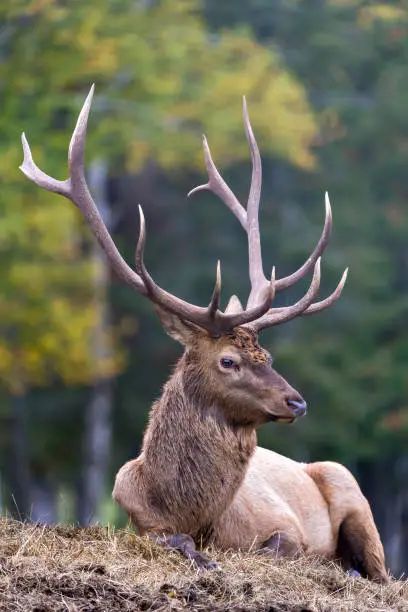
200	477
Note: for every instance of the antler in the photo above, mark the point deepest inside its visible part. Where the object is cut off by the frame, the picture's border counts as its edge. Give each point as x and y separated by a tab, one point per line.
75	189
249	220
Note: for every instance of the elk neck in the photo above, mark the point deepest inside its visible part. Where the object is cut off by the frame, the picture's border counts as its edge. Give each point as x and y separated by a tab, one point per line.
193	460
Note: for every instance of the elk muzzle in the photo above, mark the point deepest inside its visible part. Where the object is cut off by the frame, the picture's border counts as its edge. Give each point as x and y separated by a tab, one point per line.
299	407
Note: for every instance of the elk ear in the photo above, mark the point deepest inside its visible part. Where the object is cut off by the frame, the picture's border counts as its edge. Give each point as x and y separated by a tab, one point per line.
182	331
234	305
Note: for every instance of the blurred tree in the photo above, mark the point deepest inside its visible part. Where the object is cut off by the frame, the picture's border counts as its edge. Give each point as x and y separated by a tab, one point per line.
162	78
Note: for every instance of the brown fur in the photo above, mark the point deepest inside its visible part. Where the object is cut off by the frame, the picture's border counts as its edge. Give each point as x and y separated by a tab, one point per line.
246	341
201	474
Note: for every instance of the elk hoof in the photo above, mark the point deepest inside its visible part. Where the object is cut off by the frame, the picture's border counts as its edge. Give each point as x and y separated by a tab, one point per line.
204	563
353	573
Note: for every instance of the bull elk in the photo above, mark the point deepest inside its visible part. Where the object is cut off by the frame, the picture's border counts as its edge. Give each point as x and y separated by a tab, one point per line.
201	478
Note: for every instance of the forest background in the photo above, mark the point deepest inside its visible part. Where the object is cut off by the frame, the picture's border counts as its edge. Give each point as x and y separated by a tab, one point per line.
81	356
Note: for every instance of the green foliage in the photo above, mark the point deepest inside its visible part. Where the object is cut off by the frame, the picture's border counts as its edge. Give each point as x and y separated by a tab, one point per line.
47	309
161	79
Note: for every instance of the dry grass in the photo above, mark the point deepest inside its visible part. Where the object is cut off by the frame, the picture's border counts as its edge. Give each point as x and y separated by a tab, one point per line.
98	569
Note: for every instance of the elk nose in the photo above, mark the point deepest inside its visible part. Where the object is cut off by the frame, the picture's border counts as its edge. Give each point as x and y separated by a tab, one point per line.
299	407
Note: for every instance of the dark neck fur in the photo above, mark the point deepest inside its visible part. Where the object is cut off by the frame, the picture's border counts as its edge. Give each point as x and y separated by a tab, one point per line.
193	460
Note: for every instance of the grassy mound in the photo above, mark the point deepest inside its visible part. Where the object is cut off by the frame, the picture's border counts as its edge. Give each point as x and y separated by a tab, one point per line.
44	569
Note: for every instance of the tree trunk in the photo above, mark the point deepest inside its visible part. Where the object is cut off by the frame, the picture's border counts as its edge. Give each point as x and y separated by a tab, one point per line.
43	502
97	436
18	467
383	483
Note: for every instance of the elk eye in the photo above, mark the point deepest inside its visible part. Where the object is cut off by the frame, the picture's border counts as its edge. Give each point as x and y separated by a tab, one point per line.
227	362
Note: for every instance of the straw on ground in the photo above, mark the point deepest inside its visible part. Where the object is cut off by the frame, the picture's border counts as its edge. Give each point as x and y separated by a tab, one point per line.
67	568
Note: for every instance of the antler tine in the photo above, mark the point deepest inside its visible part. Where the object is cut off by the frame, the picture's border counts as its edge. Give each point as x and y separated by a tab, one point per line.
214	304
256	274
249	218
280	315
35	174
76	190
157	294
217	185
77	144
290	280
194	314
312	309
333	297
209	318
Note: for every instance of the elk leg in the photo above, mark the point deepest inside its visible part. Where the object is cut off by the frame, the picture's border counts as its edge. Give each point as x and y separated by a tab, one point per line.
359	547
185	544
280	545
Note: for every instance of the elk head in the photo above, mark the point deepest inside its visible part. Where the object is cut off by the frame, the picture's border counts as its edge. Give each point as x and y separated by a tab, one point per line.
223	360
